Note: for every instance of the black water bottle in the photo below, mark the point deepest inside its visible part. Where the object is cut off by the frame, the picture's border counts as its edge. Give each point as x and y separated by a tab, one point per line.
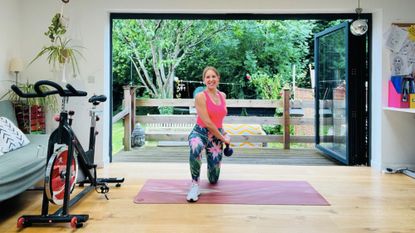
228	151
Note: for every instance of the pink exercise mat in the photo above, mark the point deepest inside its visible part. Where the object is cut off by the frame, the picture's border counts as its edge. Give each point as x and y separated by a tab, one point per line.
248	192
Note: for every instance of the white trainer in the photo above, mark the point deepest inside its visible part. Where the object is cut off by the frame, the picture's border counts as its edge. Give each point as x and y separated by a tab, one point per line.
193	194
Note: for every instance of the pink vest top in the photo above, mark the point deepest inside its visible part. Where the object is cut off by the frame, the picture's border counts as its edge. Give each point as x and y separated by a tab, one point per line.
216	112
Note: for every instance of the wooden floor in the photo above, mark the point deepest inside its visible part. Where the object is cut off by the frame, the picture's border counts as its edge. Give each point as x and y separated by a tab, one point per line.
362	200
240	156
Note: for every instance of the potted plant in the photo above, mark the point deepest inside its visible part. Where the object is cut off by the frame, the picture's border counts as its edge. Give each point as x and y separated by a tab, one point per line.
60	52
30	112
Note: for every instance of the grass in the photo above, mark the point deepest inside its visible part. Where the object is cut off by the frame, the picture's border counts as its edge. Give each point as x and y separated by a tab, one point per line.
117	137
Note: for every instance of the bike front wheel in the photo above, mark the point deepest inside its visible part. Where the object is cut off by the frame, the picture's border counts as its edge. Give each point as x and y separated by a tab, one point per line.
56	175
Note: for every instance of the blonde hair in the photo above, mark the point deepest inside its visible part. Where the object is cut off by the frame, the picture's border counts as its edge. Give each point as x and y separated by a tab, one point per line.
212	69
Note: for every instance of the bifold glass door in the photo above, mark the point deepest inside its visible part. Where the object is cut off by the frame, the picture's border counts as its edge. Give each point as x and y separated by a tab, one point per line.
341	95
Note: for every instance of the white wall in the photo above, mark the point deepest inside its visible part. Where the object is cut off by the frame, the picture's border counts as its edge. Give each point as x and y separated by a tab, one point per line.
89	25
393	144
9	40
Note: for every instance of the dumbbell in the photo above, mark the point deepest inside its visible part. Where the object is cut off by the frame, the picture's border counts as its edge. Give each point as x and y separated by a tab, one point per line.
228	151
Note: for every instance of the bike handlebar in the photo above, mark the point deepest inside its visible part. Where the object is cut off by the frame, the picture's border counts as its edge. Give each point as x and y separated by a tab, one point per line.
74	91
69	91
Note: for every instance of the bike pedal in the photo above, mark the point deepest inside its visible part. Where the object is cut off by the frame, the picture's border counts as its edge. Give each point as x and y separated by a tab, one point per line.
91	166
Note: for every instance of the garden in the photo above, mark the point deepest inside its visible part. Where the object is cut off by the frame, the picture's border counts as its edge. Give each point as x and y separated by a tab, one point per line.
164	59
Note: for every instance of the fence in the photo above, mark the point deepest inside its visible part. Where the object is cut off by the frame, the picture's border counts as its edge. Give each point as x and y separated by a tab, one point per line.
286	120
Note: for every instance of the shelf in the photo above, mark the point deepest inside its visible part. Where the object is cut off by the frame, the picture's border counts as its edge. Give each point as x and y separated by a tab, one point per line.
408	110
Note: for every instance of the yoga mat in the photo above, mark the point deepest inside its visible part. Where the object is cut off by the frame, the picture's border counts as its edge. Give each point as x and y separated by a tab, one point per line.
249	192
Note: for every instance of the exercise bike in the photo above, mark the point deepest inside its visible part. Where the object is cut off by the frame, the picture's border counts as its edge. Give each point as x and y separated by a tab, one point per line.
65	158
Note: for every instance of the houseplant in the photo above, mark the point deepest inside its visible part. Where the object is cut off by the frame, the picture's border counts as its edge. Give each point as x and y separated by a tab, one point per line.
60	52
30	112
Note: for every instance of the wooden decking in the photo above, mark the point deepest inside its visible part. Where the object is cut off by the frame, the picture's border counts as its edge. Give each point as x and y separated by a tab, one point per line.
309	157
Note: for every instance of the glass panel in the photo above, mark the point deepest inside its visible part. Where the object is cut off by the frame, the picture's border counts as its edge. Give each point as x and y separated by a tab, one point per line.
332	91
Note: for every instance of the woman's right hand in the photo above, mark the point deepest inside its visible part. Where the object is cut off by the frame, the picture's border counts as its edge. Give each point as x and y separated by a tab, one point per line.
227	139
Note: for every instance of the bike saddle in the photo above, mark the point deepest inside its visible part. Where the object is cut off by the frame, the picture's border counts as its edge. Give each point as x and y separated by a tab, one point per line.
96	99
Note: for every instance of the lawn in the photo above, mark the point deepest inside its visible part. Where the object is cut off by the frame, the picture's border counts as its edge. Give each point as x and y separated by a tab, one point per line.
117	136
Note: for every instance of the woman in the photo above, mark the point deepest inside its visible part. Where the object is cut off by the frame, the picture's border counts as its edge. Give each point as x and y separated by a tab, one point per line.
208	133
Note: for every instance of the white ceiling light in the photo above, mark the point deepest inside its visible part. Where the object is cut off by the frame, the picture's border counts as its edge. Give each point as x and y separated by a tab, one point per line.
359	26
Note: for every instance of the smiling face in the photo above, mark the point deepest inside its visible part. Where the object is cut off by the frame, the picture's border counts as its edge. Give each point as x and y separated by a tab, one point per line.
211	79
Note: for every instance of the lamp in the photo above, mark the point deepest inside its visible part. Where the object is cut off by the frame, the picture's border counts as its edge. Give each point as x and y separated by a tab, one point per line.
16	66
359	26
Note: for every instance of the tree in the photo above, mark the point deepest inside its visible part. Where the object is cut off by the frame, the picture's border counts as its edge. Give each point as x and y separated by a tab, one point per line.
157	47
159	50
260	48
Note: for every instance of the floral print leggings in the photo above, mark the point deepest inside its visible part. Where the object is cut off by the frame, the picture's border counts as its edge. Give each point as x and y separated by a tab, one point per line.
200	139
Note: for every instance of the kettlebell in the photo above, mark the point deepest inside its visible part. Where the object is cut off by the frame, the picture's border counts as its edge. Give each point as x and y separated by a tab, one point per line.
228	151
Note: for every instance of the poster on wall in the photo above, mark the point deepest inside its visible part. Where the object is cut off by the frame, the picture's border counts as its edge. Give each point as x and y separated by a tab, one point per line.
401	43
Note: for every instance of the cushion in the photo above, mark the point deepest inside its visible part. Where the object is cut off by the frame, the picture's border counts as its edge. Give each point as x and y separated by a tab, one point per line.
11	138
23	168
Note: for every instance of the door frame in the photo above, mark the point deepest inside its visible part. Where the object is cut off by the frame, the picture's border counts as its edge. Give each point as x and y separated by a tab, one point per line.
225	16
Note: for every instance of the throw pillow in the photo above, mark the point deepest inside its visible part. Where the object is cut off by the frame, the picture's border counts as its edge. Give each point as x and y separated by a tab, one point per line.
11	137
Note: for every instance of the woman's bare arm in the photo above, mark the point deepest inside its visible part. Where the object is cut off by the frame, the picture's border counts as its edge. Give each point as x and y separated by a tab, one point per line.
200	104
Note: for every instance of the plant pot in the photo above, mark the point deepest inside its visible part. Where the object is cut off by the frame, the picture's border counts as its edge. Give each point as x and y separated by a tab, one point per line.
64	55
